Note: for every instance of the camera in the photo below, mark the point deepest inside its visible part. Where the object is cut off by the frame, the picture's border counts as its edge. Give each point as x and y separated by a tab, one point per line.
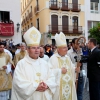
82	58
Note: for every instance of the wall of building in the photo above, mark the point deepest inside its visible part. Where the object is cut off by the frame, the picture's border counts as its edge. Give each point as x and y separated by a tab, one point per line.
90	16
45	13
13	6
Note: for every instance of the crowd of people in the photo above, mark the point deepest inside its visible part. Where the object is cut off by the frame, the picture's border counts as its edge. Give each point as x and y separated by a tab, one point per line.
30	71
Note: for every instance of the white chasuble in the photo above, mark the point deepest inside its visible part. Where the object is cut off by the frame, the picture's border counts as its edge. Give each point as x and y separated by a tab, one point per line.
66	82
28	74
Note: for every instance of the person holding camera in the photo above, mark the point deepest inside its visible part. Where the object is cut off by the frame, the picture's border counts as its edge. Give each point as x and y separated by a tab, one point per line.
93	70
75	55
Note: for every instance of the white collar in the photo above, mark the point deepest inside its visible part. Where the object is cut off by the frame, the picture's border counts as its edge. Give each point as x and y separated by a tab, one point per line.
93	48
30	60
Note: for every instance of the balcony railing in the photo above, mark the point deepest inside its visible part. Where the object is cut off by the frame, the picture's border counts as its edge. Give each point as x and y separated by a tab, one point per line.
36	9
30	15
54	5
75	7
65	6
66	29
6	29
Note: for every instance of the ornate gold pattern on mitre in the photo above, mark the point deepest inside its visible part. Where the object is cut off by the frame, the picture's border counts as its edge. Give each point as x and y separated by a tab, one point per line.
63	38
34	35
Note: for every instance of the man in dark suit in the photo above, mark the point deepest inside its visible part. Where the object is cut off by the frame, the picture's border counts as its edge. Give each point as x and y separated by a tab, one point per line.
93	70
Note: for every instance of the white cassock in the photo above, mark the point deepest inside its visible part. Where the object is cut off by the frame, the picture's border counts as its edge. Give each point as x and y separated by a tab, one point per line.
8	52
27	75
46	58
65	82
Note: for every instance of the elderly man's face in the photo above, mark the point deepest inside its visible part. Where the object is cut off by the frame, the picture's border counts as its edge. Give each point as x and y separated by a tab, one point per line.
34	52
62	50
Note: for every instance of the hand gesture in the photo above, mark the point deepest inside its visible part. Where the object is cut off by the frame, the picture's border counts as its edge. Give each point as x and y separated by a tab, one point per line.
4	67
42	87
64	70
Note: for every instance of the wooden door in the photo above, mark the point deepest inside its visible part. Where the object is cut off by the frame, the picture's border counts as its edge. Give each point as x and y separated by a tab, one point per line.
65	3
54	23
75	23
75	4
65	24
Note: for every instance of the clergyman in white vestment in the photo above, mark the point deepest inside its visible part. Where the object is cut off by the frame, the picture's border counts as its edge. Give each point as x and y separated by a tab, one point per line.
33	78
64	71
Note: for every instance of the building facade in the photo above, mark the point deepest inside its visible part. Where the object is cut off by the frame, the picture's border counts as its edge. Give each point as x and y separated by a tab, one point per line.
92	15
54	16
10	20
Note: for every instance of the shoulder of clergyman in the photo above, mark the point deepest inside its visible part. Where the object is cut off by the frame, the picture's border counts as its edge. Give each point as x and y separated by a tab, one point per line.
6	55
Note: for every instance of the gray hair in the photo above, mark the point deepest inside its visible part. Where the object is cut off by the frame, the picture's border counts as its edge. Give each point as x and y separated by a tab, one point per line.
22	44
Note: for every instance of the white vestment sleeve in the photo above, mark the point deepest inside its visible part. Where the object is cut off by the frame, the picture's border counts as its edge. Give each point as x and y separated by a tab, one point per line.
8	70
22	85
51	81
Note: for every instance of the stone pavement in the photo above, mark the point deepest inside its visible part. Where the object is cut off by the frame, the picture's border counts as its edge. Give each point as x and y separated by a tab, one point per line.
86	85
85	95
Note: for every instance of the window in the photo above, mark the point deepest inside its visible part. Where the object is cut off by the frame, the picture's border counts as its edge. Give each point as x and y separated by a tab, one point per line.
28	27
31	24
89	25
54	2
5	16
75	22
94	6
91	5
37	2
31	8
38	23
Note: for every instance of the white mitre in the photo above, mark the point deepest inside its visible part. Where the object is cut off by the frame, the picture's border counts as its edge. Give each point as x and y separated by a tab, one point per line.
32	37
60	40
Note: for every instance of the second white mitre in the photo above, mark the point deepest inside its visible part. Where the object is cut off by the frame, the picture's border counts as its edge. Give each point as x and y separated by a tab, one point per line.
60	39
32	37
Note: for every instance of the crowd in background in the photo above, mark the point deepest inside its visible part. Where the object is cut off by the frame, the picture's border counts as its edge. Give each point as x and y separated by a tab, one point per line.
46	51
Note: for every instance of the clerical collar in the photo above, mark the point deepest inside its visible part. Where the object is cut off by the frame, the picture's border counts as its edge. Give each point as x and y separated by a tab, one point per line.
31	59
93	48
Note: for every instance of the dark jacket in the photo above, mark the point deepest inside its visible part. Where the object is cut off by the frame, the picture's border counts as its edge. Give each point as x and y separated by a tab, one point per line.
93	68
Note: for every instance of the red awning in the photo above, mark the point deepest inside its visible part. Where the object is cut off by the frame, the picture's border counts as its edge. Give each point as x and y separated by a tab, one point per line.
7	29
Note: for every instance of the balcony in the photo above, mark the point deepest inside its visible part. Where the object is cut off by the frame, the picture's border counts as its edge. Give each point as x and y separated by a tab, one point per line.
36	9
75	7
54	5
66	29
65	6
30	15
6	29
27	18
